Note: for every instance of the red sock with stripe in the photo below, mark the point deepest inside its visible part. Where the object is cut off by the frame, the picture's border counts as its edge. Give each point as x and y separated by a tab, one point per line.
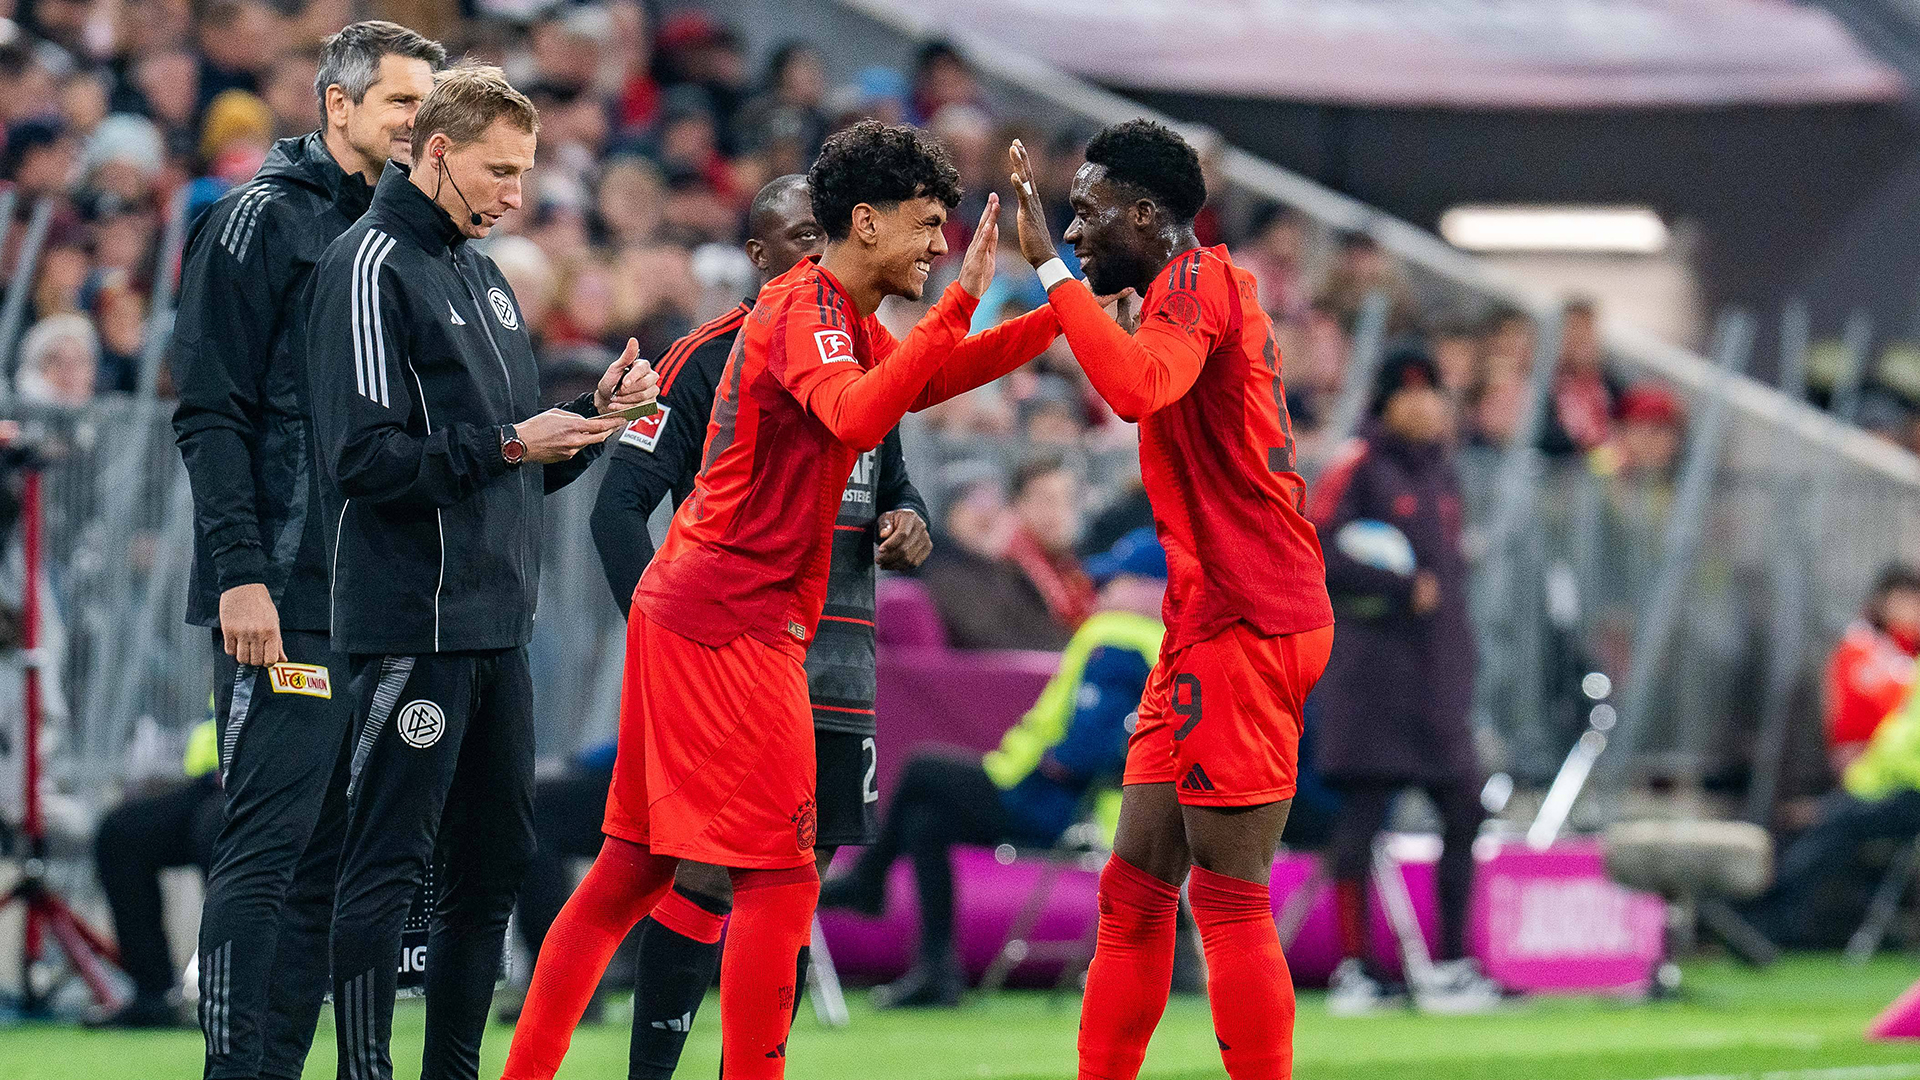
1132	971
625	883
772	922
1248	983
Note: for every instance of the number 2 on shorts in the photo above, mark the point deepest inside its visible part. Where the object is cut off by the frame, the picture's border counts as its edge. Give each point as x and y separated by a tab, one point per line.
1190	708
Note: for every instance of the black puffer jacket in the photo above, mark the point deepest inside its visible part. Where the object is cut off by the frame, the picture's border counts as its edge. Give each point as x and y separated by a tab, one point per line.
239	364
419	358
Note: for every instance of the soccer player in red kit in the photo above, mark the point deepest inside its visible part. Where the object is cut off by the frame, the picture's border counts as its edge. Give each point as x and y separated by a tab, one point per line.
1211	766
716	759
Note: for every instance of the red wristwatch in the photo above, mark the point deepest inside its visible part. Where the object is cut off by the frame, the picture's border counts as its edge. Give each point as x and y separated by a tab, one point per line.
512	450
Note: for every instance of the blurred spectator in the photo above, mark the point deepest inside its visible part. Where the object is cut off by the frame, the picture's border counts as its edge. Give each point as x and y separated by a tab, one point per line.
1506	344
1053	416
1456	354
1273	253
59	361
698	51
1361	266
1872	668
787	121
1636	471
289	92
1029	791
119	314
879	93
984	601
1046	513
1584	392
166	88
85	98
39	157
1393	704
1880	800
238	40
236	135
941	77
136	840
1494	406
1645	443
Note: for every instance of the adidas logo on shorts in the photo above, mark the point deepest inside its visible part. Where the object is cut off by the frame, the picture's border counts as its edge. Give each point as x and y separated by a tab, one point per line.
1196	780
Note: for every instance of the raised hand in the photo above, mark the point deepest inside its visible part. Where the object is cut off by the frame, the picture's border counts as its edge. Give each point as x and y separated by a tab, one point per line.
976	270
1036	242
628	381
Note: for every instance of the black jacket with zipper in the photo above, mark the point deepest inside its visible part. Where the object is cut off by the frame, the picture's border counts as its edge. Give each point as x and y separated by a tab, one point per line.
240	366
419	358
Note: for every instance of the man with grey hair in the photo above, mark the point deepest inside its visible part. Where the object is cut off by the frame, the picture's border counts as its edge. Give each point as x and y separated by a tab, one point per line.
260	575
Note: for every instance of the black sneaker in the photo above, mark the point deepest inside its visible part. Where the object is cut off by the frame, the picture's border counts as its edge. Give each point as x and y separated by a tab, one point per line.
852	893
927	986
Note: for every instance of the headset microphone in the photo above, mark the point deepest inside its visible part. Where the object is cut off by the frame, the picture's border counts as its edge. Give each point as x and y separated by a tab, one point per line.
447	175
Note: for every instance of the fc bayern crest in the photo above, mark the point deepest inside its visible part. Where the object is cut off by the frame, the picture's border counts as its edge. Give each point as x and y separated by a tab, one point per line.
420	724
503	308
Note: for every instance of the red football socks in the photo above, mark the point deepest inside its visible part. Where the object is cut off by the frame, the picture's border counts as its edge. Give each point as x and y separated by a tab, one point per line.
1247	978
772	921
625	883
1132	971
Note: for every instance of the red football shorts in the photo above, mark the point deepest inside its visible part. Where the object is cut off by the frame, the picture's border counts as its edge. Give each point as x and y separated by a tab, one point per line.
716	751
1220	718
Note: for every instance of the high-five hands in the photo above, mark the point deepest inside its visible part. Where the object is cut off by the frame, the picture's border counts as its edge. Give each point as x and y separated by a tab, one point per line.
1036	242
976	269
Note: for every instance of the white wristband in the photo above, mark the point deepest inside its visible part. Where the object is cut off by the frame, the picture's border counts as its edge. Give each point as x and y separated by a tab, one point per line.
1053	272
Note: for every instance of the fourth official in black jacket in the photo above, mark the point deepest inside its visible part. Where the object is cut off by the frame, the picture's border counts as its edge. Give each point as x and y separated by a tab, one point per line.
437	457
260	567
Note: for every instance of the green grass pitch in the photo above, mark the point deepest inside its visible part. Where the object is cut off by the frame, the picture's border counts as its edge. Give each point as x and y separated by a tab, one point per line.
1801	1020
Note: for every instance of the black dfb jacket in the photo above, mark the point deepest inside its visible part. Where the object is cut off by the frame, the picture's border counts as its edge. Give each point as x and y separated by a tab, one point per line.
240	366
419	359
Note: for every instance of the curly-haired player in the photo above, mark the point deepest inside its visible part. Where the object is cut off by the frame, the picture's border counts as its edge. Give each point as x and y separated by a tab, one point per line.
1211	765
716	759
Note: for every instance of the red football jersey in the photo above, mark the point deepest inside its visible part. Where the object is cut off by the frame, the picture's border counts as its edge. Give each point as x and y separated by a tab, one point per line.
1201	376
810	386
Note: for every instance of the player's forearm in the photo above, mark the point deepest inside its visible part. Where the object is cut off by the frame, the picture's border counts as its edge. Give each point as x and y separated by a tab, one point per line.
1132	379
990	354
619	527
861	407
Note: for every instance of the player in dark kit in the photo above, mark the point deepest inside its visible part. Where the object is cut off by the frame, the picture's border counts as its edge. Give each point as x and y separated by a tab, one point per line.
716	760
679	948
1212	763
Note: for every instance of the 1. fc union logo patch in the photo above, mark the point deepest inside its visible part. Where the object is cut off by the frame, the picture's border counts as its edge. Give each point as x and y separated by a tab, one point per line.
308	679
806	825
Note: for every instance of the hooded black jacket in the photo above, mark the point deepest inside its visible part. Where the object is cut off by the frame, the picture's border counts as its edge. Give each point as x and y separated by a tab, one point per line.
239	365
419	358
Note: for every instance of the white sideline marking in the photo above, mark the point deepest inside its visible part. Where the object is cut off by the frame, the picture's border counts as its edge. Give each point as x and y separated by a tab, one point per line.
1853	1072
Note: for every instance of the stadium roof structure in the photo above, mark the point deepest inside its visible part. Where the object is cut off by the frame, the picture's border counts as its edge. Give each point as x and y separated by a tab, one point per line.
1443	53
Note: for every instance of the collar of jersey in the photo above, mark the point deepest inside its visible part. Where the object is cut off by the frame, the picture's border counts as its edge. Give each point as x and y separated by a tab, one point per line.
350	191
406	207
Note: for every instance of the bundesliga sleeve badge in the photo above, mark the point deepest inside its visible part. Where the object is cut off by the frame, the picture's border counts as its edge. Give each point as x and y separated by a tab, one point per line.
644	433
